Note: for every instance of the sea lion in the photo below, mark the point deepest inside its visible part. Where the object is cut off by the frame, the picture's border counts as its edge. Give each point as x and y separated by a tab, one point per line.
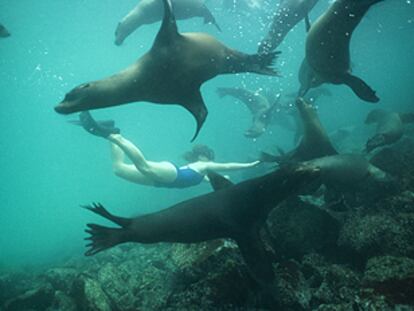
232	211
259	105
350	178
151	11
4	33
389	127
315	142
327	47
288	14
170	73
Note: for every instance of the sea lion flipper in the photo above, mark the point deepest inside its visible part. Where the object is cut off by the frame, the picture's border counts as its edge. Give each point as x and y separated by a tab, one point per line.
98	208
168	30
307	23
209	18
360	88
102	238
257	258
195	105
217	181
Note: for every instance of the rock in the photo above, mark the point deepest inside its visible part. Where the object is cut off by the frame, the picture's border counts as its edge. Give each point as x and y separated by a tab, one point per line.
35	299
62	302
210	274
298	228
61	278
391	277
89	295
375	235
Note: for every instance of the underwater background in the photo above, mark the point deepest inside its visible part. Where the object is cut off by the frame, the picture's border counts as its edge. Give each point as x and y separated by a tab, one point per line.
50	167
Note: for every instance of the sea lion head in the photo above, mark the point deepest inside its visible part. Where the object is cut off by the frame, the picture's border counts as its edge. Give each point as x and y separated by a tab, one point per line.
82	97
374	116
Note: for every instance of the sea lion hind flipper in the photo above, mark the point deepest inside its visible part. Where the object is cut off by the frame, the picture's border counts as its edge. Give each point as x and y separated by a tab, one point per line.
168	30
195	105
238	62
218	181
360	88
102	238
261	63
98	209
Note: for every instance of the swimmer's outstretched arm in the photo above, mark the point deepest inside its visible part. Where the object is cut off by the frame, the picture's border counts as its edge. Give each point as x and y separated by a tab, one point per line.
230	166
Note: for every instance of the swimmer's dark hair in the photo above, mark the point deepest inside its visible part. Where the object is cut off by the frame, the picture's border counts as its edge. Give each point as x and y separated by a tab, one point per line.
197	151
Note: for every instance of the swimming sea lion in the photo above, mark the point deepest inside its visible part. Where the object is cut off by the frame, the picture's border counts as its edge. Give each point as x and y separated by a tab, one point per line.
258	104
315	142
4	33
150	11
352	178
233	211
170	73
288	14
389	127
327	47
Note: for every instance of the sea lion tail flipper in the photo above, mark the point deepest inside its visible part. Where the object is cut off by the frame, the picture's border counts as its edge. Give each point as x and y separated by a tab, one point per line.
360	88
102	238
261	63
98	208
209	18
195	105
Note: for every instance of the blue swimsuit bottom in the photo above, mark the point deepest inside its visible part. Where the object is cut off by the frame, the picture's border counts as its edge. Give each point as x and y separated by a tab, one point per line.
186	177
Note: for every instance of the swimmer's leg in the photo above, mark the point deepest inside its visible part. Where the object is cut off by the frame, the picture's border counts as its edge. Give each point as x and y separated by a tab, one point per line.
156	171
126	171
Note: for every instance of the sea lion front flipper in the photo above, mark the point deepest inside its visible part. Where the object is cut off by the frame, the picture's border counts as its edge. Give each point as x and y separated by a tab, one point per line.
257	258
307	23
194	103
360	88
218	181
209	18
98	209
168	30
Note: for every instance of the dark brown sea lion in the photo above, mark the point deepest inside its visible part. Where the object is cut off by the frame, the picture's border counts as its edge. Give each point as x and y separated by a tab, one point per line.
288	14
151	11
327	47
4	33
170	73
389	127
258	104
233	211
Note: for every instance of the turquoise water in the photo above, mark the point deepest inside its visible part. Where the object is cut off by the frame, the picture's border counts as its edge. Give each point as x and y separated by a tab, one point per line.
50	167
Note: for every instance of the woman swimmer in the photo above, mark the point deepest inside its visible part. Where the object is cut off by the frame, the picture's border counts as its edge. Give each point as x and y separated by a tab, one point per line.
157	174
